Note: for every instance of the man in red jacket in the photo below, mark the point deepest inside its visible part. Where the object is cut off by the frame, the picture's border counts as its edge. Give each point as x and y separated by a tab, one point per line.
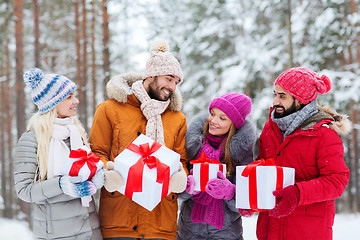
302	135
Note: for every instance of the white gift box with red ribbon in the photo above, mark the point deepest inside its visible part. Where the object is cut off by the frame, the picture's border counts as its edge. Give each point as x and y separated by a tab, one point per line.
204	170
146	167
82	163
256	182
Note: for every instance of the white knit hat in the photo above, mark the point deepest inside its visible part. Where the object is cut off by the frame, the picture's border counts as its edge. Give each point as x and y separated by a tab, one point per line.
162	62
47	90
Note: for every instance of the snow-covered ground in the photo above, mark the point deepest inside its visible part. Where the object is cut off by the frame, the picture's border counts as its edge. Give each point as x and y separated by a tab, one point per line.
346	227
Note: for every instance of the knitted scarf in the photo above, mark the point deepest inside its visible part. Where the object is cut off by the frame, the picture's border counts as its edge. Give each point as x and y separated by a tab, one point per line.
290	123
58	150
152	110
206	208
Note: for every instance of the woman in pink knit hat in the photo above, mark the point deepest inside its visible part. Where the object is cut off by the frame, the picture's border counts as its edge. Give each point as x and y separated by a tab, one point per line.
225	135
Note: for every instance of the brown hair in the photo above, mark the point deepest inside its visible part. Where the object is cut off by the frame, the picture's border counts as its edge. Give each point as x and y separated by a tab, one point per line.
230	164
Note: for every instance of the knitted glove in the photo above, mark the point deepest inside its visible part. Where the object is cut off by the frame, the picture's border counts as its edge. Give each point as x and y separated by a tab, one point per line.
99	178
220	188
177	182
76	190
113	179
245	212
287	200
190	184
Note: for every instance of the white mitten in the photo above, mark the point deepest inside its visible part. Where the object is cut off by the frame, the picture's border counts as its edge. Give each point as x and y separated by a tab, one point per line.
178	180
113	179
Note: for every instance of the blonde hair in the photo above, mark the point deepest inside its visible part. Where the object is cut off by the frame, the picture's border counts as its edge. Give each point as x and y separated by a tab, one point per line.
227	160
42	124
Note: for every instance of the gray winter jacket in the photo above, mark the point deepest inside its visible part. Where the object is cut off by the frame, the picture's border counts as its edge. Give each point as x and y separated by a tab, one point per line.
56	215
241	150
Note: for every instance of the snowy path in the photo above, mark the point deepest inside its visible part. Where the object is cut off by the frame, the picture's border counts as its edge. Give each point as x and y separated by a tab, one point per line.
346	227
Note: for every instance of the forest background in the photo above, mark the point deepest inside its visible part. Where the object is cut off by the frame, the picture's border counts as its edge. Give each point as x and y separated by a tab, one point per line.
222	45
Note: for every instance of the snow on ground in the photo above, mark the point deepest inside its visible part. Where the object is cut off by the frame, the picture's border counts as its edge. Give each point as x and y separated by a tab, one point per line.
14	230
346	227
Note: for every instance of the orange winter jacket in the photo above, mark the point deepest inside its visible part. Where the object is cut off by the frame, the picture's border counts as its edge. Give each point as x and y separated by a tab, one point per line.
116	124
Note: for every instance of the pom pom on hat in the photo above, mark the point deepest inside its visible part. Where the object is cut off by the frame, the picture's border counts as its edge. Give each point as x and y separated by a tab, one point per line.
33	77
161	61
323	85
303	84
159	45
236	106
47	90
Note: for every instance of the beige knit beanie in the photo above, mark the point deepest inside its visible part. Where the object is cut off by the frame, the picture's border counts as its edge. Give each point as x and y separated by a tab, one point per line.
161	61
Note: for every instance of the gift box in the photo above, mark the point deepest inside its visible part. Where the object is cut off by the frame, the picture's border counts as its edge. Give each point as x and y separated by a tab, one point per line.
82	163
146	167
256	182
205	169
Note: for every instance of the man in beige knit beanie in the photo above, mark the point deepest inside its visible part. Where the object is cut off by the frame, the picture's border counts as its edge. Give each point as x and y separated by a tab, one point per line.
152	107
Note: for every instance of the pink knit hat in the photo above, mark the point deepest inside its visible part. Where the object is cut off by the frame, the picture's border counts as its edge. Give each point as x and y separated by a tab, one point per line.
236	106
162	62
303	84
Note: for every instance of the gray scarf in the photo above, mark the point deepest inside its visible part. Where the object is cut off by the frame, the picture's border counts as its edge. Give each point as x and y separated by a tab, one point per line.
290	123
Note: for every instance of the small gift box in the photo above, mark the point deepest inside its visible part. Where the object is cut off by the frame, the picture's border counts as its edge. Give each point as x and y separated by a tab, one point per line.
82	163
256	182
205	169
146	167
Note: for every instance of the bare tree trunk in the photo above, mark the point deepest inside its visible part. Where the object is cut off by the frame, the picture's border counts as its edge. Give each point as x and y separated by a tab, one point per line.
2	141
8	113
37	50
19	84
83	83
354	160
106	53
357	41
93	56
78	46
290	44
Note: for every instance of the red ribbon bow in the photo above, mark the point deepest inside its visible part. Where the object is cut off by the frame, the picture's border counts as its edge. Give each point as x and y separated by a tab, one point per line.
204	169
250	171
90	159
135	175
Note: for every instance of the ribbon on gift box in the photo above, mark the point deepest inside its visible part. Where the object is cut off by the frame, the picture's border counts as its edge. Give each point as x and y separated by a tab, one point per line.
90	159
250	171
135	175
204	169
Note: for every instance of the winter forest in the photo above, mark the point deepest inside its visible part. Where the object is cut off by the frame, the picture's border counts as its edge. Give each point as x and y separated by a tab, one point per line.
222	45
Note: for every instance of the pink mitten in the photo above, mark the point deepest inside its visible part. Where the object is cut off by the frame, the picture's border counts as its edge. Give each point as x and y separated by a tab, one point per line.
220	188
287	200
190	185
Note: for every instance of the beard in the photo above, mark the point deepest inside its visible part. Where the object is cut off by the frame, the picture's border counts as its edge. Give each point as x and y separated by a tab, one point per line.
155	93
285	112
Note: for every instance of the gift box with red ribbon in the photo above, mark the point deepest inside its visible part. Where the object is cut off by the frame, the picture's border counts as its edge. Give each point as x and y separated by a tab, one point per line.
256	182
146	167
82	163
205	169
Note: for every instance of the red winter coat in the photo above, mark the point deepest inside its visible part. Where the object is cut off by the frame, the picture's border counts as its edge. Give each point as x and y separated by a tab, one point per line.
316	152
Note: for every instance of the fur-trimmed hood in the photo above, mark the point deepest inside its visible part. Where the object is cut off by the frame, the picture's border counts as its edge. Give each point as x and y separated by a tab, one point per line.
119	87
340	122
241	145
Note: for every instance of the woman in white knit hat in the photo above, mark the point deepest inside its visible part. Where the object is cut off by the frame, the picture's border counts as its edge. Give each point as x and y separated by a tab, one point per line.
39	158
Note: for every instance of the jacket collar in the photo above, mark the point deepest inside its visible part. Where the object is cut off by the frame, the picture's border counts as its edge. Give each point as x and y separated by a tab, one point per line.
119	88
338	122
